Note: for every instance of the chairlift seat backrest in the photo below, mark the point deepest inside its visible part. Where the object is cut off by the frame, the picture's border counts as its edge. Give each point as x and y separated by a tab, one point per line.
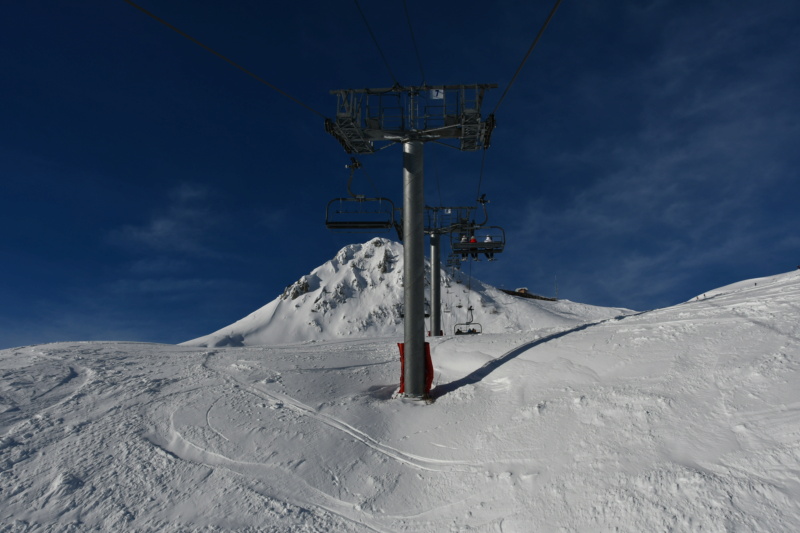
360	214
496	245
467	328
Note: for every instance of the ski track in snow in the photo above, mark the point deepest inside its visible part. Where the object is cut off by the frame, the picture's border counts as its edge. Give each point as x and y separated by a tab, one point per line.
284	486
299	491
422	463
678	419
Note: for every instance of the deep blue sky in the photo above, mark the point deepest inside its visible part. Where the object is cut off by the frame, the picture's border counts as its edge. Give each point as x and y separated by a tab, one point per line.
152	192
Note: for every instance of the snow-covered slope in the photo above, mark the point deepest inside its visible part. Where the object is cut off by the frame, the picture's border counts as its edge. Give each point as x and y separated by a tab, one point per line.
359	293
678	419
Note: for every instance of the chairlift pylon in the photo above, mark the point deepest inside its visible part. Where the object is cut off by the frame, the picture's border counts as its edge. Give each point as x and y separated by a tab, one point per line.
427	312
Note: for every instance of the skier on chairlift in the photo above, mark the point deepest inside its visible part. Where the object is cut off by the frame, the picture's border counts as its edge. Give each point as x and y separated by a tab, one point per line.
489	253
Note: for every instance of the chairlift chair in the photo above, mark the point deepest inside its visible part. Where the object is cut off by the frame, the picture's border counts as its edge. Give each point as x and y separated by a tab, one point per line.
495	244
470	327
360	214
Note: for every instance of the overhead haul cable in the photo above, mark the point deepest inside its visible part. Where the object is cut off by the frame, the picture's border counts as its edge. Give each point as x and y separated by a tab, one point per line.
524	59
514	78
414	41
231	62
375	40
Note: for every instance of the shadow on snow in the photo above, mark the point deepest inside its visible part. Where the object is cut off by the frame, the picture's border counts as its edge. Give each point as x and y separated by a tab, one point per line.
494	364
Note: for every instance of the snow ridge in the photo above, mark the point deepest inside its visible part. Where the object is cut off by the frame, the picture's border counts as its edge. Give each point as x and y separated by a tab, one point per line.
359	293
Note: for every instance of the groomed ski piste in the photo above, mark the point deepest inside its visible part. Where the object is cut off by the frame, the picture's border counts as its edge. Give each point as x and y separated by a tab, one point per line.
679	419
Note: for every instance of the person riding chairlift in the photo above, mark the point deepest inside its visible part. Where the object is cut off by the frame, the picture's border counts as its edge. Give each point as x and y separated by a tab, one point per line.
489	253
474	249
464	249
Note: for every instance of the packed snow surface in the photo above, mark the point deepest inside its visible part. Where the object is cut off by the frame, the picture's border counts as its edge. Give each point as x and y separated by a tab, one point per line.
680	419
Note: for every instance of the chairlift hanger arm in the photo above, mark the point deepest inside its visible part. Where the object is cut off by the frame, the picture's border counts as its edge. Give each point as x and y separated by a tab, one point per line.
354	164
483	201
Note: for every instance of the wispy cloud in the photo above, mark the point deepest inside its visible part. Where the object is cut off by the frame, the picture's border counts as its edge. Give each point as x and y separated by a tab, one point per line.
687	178
275	218
171	287
160	264
183	226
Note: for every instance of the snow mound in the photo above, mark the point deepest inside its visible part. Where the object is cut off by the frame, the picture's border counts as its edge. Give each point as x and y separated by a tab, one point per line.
749	285
359	293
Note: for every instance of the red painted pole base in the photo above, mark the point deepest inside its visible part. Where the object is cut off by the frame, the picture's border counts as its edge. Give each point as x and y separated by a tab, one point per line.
428	368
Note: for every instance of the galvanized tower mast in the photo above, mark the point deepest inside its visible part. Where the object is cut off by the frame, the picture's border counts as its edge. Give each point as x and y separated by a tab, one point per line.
412	116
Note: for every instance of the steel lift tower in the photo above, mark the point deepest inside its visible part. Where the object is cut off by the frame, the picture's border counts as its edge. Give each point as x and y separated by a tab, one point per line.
412	116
